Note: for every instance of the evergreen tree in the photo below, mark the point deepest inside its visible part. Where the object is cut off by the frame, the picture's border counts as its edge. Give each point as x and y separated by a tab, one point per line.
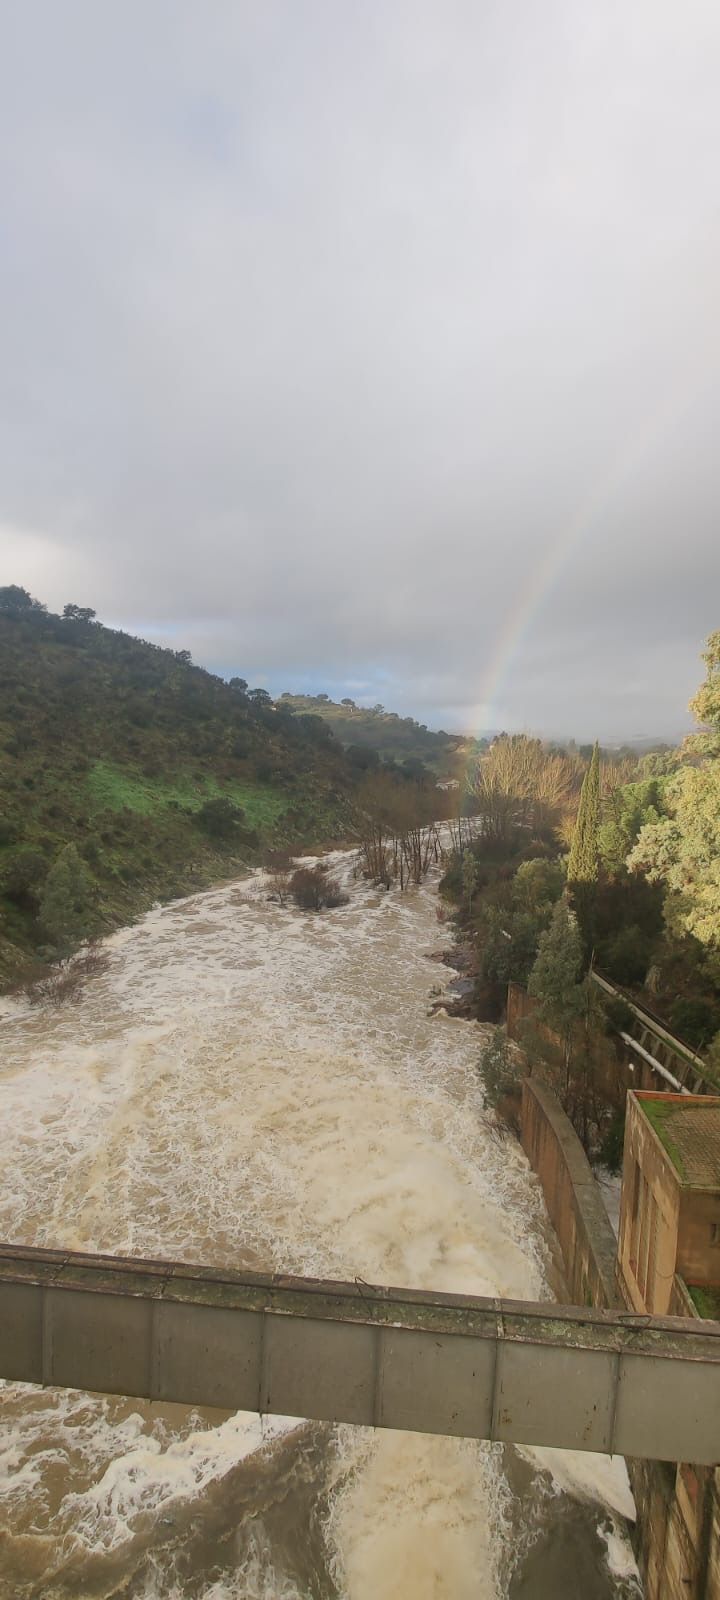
583	862
556	983
67	904
555	977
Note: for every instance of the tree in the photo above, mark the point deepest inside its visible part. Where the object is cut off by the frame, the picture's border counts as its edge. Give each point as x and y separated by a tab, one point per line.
682	849
705	705
260	698
238	685
628	810
67	906
362	757
555	979
470	876
279	886
508	945
518	784
21	874
348	702
538	883
500	1070
220	818
583	860
313	889
556	972
16	602
73	613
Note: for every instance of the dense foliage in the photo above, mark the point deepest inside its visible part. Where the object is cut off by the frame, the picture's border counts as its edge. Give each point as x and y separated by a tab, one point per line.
638	894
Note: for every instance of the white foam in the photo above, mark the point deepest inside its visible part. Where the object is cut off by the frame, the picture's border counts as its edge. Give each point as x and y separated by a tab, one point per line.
620	1557
599	1479
148	1479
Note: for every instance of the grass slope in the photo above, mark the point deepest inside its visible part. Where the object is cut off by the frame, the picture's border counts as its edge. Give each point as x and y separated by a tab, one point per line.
116	746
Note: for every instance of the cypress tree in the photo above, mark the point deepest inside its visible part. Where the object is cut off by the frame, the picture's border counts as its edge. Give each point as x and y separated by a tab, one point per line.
583	860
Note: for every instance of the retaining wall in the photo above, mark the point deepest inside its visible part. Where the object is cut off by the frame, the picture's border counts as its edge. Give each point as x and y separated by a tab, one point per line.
572	1197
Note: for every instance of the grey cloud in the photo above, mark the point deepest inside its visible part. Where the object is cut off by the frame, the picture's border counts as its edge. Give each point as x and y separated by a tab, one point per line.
324	326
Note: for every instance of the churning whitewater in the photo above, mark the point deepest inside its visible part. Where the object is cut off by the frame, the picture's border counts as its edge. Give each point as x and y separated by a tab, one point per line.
251	1085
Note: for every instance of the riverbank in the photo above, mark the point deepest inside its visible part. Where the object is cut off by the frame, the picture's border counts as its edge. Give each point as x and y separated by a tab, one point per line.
21	970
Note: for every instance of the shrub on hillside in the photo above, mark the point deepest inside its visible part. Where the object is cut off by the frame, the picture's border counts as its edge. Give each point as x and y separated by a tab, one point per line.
22	873
219	818
313	890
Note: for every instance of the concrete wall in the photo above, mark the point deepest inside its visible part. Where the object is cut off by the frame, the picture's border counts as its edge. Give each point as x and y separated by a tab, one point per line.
699	1237
572	1196
649	1216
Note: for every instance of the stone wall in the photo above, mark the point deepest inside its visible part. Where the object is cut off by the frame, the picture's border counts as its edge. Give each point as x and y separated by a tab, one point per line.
572	1197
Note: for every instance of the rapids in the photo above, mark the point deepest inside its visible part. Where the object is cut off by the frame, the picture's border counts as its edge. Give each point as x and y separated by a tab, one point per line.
251	1085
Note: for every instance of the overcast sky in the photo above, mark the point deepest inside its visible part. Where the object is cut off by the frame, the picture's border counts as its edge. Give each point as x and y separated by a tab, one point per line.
372	345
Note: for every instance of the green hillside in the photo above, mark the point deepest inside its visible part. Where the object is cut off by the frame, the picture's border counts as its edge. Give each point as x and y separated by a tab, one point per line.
395	738
129	775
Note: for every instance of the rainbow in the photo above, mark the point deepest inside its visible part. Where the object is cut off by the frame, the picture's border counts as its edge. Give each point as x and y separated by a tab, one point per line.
558	554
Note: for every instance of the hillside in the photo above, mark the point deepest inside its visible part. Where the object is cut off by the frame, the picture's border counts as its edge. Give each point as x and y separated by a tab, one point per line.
395	738
158	775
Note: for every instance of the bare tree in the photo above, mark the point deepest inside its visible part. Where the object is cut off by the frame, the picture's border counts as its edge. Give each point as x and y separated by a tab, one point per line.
399	840
520	784
279	887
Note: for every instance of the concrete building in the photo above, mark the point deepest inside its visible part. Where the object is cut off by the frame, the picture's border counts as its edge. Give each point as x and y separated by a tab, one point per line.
670	1211
669	1262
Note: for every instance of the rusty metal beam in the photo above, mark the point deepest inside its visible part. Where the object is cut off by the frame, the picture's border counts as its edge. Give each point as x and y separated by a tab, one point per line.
354	1352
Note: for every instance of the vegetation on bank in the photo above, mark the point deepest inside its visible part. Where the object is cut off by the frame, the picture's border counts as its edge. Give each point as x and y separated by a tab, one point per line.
562	861
128	775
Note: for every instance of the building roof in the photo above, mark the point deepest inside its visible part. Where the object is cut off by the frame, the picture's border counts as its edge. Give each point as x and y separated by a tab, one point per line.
688	1126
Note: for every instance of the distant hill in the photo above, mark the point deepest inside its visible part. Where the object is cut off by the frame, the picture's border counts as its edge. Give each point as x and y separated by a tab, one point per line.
395	738
160	776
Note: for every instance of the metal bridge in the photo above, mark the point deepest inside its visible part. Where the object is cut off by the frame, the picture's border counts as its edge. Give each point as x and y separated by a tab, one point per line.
360	1353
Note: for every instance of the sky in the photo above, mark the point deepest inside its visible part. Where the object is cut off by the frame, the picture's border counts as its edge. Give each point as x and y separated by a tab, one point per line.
372	348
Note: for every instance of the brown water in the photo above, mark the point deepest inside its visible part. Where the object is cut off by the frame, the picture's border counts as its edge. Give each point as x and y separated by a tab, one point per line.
251	1085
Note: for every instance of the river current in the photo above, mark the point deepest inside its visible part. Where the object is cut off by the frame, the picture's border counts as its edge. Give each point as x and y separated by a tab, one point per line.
251	1085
